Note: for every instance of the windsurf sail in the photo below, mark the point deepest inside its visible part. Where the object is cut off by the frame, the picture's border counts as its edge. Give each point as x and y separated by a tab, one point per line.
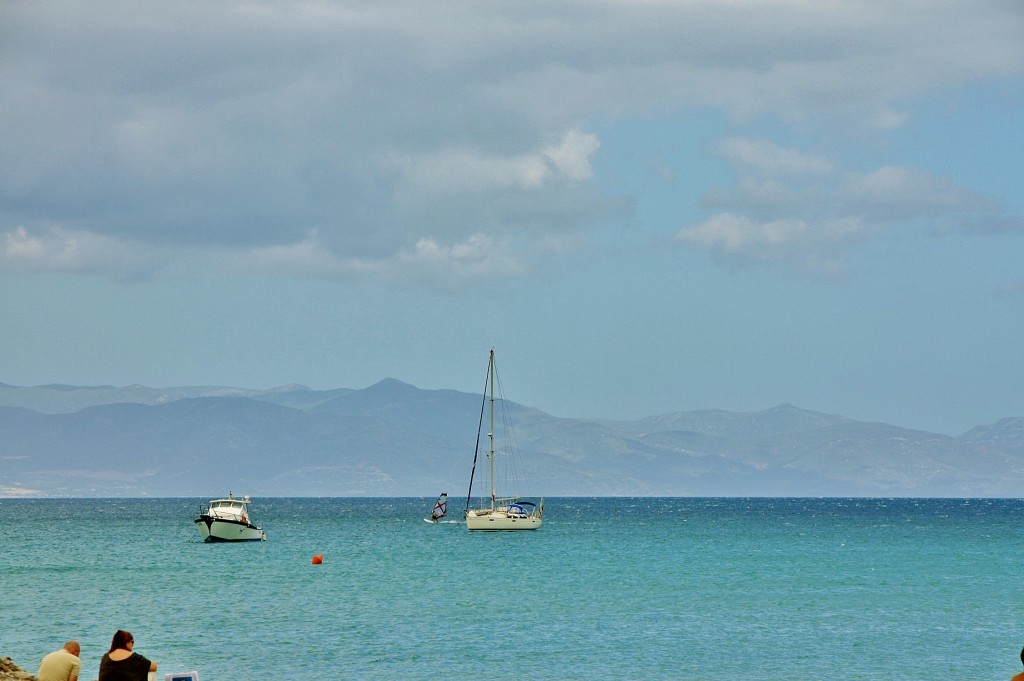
440	508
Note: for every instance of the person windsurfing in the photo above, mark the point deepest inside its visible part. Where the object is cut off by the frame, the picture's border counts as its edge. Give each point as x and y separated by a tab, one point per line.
440	508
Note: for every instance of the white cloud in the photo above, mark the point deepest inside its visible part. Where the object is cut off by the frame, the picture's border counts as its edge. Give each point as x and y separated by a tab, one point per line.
735	234
476	257
814	247
772	159
889	119
572	156
306	258
761	197
428	261
242	126
893	193
811	223
61	250
463	171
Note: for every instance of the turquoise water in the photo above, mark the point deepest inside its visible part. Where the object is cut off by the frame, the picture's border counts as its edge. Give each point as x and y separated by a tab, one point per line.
680	588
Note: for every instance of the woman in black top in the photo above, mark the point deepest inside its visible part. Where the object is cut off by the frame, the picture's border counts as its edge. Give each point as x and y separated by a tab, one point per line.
121	664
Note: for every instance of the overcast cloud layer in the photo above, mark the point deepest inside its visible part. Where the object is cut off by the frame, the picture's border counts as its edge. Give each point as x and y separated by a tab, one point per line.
430	146
449	140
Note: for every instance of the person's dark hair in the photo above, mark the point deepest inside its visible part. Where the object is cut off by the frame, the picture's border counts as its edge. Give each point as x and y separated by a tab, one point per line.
1022	655
121	640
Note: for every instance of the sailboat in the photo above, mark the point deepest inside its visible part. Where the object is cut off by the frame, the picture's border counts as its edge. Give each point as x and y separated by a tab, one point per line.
497	513
440	509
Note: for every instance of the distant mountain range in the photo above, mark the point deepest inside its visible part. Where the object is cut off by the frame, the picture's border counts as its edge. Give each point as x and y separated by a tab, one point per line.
393	439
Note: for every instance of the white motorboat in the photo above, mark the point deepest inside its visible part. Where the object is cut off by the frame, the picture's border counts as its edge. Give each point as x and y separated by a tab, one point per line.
228	520
498	513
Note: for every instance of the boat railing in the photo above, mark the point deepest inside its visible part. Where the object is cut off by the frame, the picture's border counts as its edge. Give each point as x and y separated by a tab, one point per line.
521	507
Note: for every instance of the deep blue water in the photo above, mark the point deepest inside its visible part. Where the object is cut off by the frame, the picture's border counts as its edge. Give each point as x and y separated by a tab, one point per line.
618	588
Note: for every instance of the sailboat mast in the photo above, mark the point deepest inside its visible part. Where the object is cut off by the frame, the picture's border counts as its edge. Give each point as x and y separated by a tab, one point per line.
507	512
490	435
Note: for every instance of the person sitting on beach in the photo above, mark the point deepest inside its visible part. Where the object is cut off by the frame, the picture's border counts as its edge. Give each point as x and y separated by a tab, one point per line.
61	665
1019	677
121	664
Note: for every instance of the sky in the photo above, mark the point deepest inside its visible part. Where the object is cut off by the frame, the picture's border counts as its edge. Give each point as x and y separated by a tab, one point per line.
643	206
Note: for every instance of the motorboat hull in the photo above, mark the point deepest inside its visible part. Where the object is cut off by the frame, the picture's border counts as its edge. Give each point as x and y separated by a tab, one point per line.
225	530
499	521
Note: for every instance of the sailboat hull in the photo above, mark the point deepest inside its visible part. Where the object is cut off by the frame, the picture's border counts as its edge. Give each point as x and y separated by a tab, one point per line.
499	521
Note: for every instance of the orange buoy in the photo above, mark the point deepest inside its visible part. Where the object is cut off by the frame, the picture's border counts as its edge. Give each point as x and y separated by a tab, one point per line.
318	558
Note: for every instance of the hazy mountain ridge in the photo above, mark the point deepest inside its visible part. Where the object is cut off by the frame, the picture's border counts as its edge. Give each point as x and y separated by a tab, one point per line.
395	439
65	399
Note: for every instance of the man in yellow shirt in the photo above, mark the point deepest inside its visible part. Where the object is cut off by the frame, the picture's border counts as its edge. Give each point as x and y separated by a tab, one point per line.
61	665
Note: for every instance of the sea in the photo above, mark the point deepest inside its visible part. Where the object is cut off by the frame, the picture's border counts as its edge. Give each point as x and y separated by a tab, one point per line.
608	588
